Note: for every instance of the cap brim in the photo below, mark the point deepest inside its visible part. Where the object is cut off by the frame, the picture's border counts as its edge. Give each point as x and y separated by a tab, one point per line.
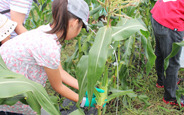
85	25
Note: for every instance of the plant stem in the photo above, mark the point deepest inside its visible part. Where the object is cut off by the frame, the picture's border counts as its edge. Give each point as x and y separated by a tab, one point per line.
109	14
108	20
99	111
119	52
80	49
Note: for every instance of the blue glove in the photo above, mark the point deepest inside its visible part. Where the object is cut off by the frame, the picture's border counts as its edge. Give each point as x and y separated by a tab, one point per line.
104	103
85	102
99	90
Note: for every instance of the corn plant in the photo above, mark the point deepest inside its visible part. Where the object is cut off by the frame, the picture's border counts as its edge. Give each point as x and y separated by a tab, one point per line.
93	67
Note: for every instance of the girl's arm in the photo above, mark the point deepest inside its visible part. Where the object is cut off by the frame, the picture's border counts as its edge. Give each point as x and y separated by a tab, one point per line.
56	77
68	79
19	18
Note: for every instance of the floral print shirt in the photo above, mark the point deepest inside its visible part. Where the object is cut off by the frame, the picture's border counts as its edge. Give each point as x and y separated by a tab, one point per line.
28	54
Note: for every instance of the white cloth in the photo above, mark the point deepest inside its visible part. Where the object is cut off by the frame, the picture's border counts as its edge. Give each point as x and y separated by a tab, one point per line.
21	6
182	58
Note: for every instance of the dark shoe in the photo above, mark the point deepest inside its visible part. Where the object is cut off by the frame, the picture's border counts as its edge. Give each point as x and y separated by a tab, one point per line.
174	102
162	86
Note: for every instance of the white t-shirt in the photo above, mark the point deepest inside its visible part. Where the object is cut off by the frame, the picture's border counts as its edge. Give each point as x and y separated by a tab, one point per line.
21	6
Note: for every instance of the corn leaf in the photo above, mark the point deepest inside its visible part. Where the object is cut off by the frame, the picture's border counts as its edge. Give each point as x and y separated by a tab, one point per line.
128	49
117	93
95	10
125	28
13	84
97	58
149	53
175	48
82	69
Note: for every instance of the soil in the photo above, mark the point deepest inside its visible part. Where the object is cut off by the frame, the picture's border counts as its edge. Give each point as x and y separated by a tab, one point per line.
69	106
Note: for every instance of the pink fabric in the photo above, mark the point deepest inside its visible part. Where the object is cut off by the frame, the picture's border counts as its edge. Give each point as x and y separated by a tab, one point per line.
169	13
28	54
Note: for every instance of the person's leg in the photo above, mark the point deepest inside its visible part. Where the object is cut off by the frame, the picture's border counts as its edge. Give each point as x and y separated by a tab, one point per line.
170	82
159	63
164	39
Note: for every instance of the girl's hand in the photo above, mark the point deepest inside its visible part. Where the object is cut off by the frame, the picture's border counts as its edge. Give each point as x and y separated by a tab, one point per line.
85	102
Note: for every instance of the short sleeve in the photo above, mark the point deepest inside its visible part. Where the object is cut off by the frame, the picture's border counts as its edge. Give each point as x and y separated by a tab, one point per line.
22	6
46	53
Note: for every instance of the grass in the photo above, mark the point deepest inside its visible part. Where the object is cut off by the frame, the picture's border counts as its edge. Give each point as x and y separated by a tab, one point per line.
155	95
68	50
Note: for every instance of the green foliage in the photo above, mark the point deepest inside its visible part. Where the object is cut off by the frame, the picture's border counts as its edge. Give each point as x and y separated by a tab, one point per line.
118	93
128	49
149	53
82	69
95	10
39	15
125	28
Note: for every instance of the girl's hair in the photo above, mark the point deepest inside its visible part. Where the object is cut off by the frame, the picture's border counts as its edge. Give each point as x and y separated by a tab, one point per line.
61	17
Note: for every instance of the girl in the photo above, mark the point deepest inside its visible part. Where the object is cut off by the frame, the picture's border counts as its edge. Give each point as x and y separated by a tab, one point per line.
36	53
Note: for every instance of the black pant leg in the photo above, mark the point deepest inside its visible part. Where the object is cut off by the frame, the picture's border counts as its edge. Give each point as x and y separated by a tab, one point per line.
165	37
159	63
171	79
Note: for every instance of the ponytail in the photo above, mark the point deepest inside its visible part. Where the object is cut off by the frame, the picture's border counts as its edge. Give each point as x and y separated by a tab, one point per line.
60	18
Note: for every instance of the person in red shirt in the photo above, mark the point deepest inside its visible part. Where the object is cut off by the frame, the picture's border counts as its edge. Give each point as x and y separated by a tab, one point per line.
168	26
